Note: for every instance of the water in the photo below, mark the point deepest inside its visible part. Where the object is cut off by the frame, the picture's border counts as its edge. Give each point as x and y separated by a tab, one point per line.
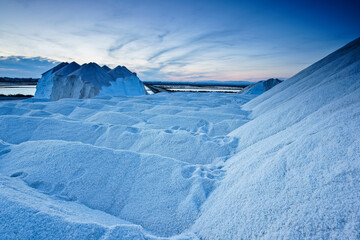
18	89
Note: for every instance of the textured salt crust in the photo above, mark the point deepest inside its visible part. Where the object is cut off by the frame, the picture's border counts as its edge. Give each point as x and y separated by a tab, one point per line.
150	160
296	173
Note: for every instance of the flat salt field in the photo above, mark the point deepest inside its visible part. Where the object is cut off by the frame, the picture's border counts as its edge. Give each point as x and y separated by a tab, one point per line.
158	156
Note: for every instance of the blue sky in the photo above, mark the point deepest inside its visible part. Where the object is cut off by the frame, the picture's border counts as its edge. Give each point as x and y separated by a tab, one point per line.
175	40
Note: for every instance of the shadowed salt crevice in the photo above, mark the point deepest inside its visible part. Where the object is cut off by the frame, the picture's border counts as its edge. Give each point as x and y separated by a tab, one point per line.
58	219
4	151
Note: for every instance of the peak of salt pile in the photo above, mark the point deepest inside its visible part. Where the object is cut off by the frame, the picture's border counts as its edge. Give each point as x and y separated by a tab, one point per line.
106	68
261	86
94	74
120	72
67	69
70	80
56	68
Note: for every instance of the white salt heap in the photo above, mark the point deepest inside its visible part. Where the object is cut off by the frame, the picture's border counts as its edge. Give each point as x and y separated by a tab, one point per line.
87	81
282	165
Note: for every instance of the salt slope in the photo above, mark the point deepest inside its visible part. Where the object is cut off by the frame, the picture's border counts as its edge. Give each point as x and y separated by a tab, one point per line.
45	84
297	172
124	156
67	69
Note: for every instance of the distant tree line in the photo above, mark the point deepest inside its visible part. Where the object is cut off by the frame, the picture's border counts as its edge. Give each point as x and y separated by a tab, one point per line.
20	81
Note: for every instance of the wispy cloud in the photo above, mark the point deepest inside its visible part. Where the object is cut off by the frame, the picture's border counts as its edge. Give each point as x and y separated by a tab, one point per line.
18	66
8	69
224	40
119	45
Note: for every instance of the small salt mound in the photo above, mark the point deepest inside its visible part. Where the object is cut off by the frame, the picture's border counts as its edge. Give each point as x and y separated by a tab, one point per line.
260	87
37	128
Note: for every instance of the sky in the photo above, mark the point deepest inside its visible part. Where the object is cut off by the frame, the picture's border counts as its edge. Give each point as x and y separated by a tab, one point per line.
175	40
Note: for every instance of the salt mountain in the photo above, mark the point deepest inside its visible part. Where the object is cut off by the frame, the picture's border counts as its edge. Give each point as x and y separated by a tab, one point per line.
70	80
284	165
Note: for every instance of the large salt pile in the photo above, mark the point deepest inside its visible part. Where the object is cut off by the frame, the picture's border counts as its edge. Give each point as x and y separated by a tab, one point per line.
297	171
87	81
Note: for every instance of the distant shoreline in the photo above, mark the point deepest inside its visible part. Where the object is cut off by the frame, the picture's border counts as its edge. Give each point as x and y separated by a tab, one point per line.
14	97
17	83
7	81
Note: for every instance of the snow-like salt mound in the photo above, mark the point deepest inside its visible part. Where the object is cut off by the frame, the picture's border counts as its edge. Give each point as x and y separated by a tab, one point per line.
87	81
261	86
297	172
